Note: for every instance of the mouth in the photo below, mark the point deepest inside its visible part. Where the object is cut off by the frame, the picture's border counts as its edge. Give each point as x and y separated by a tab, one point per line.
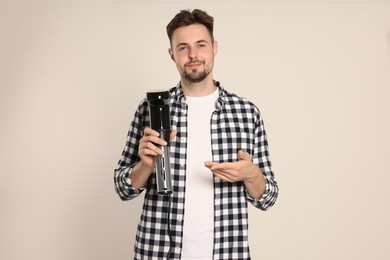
194	65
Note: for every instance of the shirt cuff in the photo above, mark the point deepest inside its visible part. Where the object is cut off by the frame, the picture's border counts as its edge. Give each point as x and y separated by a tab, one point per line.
260	202
127	181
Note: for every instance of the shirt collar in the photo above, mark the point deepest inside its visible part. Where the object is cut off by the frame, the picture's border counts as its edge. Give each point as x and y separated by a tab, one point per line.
178	94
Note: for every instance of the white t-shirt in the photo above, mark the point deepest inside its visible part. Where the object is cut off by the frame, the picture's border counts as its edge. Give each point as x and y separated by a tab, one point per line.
198	229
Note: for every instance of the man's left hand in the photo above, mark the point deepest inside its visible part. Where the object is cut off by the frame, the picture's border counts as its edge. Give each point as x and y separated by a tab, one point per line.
242	170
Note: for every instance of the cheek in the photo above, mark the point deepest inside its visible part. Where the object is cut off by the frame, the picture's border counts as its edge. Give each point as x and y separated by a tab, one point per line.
179	63
181	59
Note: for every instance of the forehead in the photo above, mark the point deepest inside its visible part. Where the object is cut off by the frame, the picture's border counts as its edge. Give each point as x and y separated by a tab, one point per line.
190	34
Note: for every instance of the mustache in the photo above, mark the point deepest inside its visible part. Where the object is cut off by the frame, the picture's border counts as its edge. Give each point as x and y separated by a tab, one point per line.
194	62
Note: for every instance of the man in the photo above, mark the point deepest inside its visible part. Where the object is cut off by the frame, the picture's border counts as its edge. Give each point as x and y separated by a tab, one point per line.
219	159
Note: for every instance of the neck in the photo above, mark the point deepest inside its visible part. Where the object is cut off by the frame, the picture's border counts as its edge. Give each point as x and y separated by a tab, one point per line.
198	89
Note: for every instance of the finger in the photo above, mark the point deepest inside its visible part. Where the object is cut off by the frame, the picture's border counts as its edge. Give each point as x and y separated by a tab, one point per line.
223	177
216	166
149	131
172	134
243	155
148	152
152	149
155	140
209	164
150	145
224	167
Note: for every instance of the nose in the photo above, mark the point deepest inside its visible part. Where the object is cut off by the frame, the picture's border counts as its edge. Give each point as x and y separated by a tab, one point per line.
191	54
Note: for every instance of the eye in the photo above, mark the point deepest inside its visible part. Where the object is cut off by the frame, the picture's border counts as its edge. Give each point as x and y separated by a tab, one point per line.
182	48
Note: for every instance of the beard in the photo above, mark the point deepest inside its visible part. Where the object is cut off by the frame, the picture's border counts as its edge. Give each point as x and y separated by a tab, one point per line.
195	76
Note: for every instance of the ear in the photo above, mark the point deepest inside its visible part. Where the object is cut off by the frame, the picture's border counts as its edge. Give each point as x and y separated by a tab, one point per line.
171	54
215	48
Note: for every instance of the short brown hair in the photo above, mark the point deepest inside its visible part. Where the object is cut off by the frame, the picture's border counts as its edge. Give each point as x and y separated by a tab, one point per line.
186	17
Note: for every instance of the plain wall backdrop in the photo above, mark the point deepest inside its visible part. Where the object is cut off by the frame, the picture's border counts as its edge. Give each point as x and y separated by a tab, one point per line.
73	72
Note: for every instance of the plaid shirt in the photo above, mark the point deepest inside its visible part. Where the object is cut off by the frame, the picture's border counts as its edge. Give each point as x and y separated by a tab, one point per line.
236	124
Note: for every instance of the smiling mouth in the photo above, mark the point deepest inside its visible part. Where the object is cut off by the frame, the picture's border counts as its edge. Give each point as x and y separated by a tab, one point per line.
194	65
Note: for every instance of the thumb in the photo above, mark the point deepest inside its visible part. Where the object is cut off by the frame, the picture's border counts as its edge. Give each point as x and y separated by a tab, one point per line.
172	135
243	155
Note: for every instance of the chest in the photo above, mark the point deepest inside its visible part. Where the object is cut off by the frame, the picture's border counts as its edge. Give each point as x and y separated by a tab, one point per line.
231	129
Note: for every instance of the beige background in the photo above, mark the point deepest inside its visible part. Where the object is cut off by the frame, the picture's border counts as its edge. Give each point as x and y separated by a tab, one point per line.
72	73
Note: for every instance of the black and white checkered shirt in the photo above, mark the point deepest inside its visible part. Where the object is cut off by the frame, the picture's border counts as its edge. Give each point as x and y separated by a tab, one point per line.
236	124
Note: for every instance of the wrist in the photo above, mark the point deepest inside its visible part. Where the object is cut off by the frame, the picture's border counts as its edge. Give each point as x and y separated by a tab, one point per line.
145	166
255	175
255	178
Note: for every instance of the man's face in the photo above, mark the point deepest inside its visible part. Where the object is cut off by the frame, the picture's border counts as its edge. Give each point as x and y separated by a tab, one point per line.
193	52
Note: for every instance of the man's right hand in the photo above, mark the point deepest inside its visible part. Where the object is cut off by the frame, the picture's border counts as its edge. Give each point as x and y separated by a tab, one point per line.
148	147
148	150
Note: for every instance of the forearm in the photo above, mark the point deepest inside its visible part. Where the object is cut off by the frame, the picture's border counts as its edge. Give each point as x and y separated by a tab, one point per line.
255	185
140	175
262	160
127	165
268	187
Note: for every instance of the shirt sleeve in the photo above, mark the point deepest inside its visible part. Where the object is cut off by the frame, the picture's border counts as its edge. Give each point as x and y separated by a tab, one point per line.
268	199
262	159
129	158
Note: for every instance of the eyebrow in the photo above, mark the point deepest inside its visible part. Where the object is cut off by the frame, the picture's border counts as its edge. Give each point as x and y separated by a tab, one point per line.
200	41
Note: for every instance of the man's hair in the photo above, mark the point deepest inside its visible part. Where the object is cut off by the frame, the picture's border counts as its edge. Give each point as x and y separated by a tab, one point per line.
186	17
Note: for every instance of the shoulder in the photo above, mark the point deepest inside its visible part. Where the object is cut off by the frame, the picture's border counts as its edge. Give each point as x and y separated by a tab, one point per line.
235	101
